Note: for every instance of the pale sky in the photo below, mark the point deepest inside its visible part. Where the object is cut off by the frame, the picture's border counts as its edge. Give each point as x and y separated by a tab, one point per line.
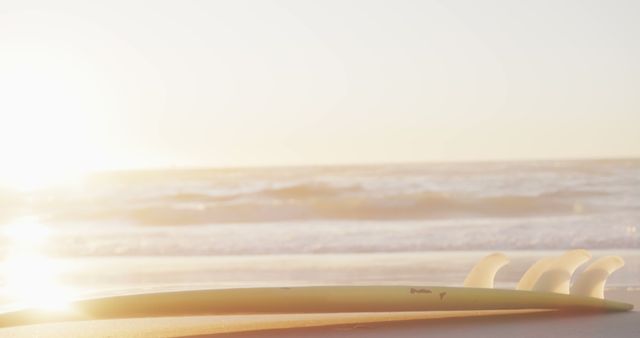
119	84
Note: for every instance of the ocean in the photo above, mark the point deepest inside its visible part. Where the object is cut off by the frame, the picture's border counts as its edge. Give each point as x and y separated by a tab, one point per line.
396	223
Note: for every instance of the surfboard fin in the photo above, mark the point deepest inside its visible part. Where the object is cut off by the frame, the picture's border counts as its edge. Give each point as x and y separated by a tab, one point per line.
532	275
557	277
591	281
484	272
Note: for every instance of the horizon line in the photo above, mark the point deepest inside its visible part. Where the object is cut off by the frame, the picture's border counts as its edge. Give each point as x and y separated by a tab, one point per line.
356	164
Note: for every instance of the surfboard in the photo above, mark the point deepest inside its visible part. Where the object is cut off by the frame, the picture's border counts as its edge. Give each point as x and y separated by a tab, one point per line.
314	299
477	294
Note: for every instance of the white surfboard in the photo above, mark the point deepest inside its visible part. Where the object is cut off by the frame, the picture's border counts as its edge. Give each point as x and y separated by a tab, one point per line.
336	299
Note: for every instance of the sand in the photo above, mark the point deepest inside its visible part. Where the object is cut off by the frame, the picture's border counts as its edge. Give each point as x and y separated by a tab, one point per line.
414	324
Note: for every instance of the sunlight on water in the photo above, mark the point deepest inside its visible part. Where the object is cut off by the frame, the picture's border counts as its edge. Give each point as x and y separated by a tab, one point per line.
32	278
26	234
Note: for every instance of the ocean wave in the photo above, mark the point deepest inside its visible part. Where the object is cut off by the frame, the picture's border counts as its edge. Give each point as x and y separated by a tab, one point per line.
377	192
319	202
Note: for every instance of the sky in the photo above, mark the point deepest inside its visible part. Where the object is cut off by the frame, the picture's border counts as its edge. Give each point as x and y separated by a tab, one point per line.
129	84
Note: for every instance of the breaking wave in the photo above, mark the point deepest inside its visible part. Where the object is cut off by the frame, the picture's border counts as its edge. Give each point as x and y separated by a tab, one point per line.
402	208
317	202
385	192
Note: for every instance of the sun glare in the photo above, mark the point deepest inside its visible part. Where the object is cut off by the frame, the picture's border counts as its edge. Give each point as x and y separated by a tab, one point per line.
48	125
35	176
39	151
31	279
